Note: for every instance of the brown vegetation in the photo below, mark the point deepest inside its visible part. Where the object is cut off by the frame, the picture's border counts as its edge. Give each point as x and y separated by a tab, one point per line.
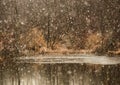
32	42
76	26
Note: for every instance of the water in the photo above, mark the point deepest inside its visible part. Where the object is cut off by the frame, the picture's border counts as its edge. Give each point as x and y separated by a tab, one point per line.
61	71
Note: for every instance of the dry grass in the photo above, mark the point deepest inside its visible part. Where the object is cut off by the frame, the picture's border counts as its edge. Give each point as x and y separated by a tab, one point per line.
116	51
68	51
111	53
32	42
93	41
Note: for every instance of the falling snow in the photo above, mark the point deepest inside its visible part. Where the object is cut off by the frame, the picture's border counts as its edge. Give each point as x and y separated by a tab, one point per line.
59	42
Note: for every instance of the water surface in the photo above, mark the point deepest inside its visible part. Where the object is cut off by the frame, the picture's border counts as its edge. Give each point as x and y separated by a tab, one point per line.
59	70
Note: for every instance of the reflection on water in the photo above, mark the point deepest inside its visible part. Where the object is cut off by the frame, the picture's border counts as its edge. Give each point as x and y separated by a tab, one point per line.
59	74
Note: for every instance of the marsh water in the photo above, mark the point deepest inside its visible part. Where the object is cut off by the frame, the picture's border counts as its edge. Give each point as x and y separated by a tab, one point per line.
58	70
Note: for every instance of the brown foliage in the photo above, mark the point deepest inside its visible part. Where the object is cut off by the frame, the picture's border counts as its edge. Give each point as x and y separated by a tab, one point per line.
33	41
93	41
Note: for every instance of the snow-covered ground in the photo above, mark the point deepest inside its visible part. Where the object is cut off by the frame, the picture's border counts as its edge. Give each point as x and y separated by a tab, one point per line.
83	58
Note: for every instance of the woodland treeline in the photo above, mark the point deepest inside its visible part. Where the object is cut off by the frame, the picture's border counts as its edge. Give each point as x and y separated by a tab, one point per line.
29	26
